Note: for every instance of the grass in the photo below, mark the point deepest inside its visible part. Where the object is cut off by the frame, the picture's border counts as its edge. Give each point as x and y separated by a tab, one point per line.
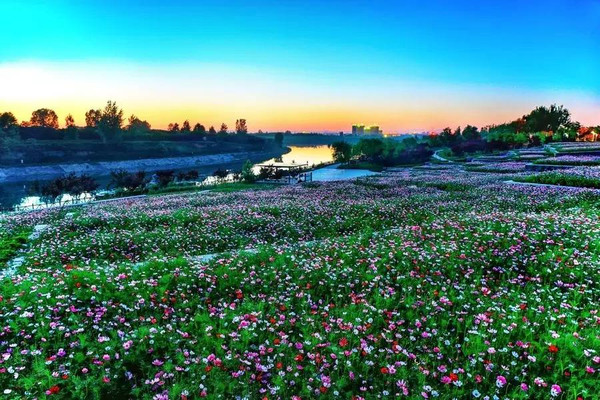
11	242
238	186
575	162
560	179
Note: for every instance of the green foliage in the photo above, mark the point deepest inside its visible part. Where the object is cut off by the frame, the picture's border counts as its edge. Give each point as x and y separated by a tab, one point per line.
248	174
342	151
547	119
388	152
557	178
10	243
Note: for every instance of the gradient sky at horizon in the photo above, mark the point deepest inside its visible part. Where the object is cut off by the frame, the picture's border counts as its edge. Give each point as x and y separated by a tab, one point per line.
303	65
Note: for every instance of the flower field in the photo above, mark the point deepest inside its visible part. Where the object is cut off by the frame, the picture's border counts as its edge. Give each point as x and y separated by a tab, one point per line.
570	160
419	283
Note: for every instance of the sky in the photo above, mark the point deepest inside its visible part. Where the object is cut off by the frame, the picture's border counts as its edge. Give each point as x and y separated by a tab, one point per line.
303	65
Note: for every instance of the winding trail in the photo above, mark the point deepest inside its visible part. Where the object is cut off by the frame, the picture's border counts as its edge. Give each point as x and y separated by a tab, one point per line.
15	263
437	157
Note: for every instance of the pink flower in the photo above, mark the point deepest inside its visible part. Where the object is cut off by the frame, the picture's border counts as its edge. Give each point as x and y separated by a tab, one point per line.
524	387
555	390
500	381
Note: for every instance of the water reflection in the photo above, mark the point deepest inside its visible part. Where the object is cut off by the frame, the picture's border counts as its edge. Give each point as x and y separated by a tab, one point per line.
311	155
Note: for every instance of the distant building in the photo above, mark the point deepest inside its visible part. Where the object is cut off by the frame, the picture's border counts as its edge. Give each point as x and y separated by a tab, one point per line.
366	130
373	130
358	129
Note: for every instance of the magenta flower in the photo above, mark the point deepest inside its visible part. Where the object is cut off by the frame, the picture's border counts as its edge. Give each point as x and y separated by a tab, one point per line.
500	381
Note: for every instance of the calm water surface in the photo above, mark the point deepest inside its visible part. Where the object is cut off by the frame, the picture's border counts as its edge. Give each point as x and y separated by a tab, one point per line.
15	194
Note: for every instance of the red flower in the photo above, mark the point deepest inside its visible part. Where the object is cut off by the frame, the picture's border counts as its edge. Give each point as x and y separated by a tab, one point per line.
453	377
323	389
343	342
552	349
384	370
54	389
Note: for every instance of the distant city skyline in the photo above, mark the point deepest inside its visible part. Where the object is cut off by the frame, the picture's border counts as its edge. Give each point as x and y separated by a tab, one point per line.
303	66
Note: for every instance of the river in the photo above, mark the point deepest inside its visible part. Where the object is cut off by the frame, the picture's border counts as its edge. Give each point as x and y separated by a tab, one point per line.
16	193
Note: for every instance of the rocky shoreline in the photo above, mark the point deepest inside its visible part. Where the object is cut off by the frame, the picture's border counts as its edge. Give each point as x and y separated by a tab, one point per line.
103	168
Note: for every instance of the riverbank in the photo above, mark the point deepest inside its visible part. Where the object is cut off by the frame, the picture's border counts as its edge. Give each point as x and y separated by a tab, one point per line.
104	168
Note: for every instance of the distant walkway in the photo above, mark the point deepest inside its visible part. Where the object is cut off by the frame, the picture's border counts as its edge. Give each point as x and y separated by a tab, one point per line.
437	157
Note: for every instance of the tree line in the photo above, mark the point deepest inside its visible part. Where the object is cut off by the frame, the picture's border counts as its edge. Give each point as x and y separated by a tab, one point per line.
382	152
542	125
107	123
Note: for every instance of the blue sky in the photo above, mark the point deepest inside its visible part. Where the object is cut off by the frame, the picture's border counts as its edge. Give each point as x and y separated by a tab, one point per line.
534	50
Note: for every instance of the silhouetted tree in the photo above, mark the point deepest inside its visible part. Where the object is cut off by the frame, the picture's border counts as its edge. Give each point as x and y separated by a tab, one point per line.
111	121
223	130
212	131
137	126
92	117
7	119
69	121
173	127
185	127
44	117
240	127
199	129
